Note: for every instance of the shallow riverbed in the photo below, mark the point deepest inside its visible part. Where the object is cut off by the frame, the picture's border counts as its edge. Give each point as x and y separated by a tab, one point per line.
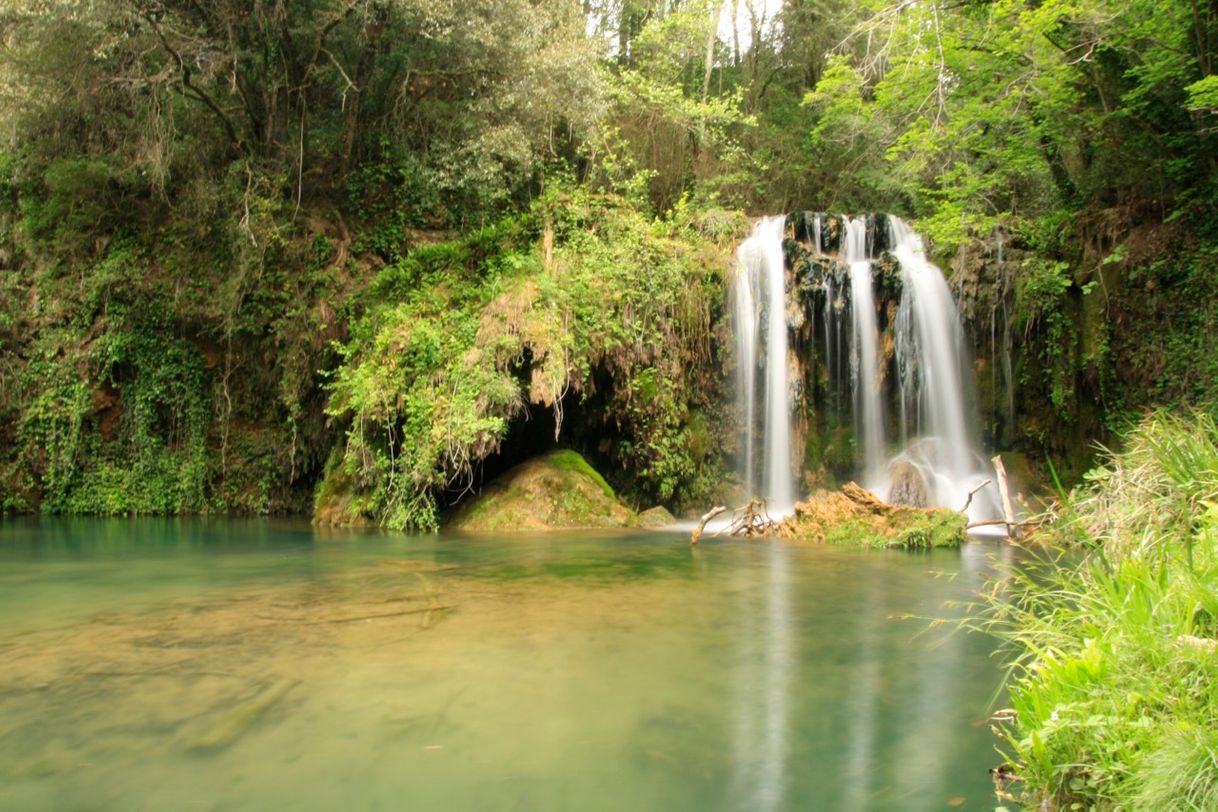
230	665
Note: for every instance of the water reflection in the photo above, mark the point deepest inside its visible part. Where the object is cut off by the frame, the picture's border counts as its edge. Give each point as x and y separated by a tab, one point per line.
765	670
863	698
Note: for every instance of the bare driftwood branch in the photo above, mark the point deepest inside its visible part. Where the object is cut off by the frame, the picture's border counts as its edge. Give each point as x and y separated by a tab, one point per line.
706	517
973	493
986	523
1002	523
752	520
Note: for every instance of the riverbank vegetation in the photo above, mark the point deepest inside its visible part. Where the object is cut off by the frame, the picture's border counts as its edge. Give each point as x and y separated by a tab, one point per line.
1115	647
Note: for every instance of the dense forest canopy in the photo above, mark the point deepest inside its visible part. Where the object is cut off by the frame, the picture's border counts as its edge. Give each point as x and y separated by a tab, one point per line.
240	239
960	113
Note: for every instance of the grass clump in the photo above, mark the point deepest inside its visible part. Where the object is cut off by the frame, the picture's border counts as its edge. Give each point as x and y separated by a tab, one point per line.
1115	639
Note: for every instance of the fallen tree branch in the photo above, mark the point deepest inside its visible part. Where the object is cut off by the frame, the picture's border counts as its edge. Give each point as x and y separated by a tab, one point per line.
973	493
985	523
752	520
706	517
1004	522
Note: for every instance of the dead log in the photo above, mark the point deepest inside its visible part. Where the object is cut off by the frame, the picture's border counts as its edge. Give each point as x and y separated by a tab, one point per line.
753	520
1007	511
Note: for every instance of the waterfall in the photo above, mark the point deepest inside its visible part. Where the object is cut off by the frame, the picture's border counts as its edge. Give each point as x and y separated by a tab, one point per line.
865	359
744	304
760	307
930	353
906	378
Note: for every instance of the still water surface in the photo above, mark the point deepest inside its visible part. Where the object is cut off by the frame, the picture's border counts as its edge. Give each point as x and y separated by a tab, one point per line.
267	665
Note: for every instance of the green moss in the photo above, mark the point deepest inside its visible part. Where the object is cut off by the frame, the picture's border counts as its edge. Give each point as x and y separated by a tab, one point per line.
336	502
931	528
554	491
567	460
832	517
910	530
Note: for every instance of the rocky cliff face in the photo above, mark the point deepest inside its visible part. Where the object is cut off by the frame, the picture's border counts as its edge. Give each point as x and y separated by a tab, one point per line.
983	275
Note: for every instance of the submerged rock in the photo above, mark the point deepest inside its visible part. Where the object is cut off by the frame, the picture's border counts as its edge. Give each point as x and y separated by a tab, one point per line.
556	491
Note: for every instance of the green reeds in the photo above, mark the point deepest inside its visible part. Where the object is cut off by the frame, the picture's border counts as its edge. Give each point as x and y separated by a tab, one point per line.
1113	639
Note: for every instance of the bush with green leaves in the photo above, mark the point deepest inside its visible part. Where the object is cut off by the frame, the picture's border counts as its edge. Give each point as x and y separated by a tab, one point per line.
583	297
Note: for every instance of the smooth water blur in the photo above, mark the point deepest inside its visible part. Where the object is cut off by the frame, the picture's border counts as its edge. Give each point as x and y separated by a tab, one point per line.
258	664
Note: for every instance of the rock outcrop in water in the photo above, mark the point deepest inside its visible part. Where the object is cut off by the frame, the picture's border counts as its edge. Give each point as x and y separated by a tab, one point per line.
556	491
908	485
853	516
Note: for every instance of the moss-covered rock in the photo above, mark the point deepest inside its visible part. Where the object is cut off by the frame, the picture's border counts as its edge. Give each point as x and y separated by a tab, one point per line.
851	516
556	491
655	518
336	503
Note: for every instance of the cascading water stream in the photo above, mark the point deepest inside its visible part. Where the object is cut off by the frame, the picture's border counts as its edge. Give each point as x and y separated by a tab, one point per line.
744	301
864	360
929	347
760	307
937	463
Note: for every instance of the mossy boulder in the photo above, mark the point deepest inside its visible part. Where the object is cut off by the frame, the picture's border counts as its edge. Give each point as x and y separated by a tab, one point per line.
853	516
556	491
337	504
655	518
